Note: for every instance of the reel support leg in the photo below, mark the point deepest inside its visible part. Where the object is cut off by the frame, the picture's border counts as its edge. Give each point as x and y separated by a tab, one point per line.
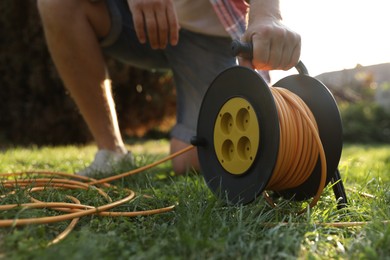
338	190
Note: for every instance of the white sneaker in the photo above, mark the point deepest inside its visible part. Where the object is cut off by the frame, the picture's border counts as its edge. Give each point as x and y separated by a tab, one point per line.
108	163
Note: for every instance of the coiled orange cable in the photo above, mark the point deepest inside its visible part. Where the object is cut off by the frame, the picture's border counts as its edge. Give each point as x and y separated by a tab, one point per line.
299	147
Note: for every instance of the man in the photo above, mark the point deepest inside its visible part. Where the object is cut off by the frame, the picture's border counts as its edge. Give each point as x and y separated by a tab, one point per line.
192	38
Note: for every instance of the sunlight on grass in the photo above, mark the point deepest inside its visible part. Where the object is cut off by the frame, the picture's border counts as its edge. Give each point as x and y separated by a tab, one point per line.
67	158
365	166
201	227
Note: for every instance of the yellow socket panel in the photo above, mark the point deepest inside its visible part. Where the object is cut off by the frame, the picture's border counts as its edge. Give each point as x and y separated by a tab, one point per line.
236	135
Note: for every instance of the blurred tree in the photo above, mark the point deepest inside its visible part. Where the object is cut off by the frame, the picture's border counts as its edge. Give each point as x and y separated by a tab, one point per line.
34	106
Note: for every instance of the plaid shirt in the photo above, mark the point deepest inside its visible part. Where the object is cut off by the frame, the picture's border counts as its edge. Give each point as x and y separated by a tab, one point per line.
232	14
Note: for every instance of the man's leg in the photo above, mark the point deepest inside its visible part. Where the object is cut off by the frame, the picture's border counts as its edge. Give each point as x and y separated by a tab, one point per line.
195	61
72	29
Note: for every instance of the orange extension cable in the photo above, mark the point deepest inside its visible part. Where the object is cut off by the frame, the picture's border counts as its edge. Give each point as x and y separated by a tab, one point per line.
75	210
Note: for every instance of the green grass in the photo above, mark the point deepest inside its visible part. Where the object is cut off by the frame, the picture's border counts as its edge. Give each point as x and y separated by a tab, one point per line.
201	227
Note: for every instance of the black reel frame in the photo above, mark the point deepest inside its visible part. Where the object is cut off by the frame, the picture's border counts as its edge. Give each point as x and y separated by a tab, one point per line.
247	84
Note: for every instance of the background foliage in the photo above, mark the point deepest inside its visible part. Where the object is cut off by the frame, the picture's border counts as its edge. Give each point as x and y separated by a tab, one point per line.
365	122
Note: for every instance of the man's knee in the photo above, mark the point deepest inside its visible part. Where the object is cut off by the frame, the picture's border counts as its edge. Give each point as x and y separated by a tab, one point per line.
58	11
62	12
54	6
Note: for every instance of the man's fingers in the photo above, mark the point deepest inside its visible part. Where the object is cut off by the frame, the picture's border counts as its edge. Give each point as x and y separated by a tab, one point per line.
152	28
290	52
173	25
261	52
294	57
296	52
278	52
139	26
155	21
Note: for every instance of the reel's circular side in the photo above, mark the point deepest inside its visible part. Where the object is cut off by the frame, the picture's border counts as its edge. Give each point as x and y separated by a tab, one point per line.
238	82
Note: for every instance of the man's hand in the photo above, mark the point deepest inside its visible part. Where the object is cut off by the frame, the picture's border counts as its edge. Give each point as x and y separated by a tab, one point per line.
155	21
274	45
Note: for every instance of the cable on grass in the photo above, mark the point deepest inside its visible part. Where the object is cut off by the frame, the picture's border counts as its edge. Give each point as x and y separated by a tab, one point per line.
75	210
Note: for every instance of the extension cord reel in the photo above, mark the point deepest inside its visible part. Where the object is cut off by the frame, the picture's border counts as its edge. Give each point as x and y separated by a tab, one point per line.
238	133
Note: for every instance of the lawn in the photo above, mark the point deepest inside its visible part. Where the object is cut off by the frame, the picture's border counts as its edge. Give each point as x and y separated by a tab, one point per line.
200	226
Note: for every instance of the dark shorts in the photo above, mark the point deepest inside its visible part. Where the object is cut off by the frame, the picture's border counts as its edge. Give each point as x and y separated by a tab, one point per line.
195	61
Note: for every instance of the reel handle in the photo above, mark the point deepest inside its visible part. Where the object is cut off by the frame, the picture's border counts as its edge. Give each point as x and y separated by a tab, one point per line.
245	50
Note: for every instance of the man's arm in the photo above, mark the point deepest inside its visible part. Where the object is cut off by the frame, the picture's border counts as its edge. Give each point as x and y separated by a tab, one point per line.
274	45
